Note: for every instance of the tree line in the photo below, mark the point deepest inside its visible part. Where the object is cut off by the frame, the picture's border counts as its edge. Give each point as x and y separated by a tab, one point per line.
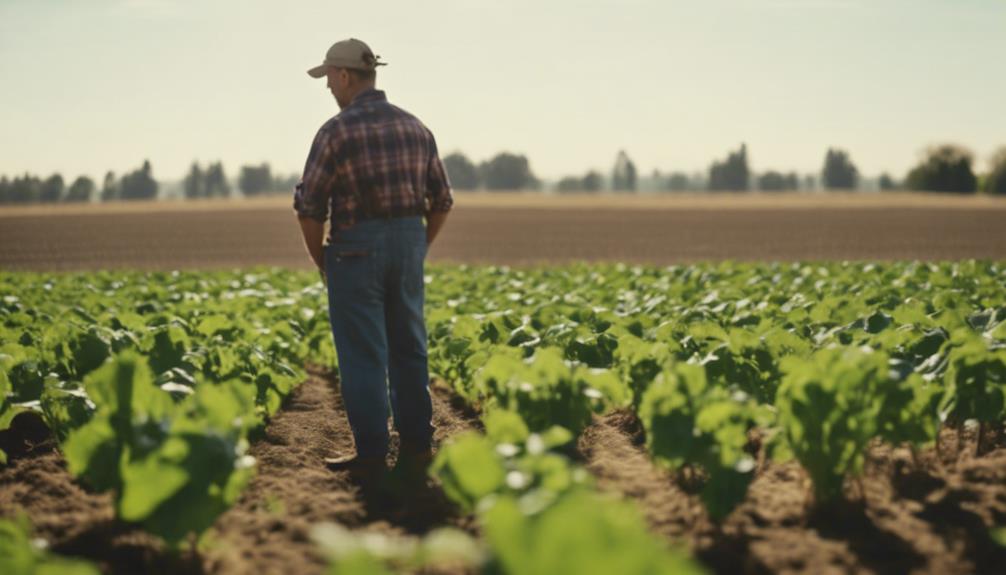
943	168
201	182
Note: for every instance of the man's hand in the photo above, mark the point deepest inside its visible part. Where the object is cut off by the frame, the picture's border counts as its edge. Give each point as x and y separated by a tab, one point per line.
314	237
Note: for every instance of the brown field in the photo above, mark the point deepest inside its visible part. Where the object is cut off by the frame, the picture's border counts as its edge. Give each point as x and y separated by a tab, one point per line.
518	228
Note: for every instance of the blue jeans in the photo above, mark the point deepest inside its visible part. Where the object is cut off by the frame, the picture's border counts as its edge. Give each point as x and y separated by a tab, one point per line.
375	304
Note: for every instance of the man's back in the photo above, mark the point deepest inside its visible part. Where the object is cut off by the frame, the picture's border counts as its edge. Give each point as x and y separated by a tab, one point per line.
375	160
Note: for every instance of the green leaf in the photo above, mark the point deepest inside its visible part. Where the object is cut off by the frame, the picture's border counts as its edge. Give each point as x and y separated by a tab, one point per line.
469	469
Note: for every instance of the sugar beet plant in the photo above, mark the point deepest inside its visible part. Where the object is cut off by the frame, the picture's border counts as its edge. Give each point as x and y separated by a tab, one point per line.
147	378
816	359
153	382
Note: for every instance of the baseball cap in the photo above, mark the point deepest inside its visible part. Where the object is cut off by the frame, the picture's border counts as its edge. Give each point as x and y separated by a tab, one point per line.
350	53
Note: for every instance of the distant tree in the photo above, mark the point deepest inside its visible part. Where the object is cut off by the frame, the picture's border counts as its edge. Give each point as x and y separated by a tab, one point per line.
81	190
792	181
216	181
5	190
255	180
886	182
731	175
110	187
194	183
776	181
569	184
839	171
507	171
678	182
592	181
286	183
52	189
461	171
139	184
25	190
623	175
995	181
945	168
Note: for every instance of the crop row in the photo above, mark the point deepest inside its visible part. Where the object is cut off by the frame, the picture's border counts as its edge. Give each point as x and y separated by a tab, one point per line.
806	361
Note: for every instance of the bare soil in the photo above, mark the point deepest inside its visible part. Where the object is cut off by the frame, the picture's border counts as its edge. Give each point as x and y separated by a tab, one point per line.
268	530
930	513
522	229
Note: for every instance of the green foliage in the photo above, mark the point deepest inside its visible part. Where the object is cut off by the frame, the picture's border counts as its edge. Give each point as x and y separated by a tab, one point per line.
139	184
461	171
352	553
975	377
623	175
776	181
839	172
731	174
506	171
211	182
537	508
546	390
508	459
707	345
581	533
255	180
173	467
153	382
834	402
20	555
690	422
945	168
995	181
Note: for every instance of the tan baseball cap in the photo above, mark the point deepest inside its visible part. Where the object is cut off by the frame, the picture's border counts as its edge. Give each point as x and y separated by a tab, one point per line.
350	53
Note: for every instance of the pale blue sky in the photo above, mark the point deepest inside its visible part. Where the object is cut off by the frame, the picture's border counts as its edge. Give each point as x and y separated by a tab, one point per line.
103	84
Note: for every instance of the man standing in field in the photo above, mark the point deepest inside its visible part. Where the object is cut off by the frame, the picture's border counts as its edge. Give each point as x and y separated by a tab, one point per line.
374	172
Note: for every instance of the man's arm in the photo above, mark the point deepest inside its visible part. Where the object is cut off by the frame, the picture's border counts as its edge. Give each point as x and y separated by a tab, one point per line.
311	195
314	238
434	221
438	194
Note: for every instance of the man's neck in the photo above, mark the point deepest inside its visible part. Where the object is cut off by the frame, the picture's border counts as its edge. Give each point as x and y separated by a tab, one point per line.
364	88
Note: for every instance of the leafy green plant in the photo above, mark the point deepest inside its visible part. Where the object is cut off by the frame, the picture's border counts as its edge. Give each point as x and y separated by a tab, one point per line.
834	402
508	459
21	555
548	390
582	533
172	467
690	422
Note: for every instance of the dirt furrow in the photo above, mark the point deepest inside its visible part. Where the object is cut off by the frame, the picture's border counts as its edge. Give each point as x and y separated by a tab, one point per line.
268	531
905	515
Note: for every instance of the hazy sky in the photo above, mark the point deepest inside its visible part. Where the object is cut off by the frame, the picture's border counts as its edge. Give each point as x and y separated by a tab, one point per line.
103	84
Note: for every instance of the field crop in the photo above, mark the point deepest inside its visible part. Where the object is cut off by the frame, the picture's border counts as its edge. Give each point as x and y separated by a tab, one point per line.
155	383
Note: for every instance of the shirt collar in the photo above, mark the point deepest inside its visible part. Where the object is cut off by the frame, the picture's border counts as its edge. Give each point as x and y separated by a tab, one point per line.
369	95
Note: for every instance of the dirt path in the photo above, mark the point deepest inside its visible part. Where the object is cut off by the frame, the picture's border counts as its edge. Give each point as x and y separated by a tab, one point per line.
267	531
928	518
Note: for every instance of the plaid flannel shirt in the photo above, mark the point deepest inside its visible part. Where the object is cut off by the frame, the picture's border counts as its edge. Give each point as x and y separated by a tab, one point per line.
372	160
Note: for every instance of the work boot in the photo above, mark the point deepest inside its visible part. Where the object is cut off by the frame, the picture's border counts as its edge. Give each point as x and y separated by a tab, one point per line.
365	469
414	459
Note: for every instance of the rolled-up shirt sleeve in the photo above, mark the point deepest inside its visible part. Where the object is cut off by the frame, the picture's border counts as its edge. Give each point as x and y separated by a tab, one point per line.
438	186
311	196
